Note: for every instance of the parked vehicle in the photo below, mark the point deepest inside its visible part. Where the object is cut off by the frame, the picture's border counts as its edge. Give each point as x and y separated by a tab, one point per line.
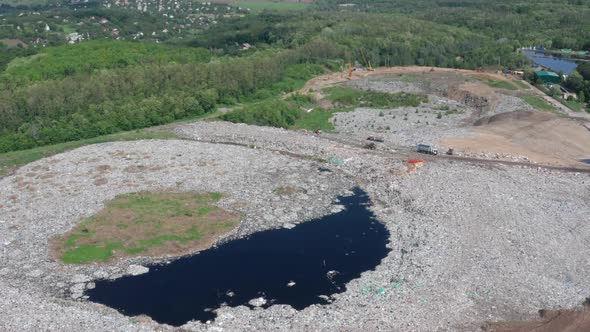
422	148
375	139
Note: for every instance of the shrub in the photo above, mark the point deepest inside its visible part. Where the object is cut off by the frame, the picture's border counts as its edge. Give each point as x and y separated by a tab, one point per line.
274	113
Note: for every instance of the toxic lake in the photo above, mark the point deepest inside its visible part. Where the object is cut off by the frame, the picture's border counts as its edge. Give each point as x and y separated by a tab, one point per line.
299	267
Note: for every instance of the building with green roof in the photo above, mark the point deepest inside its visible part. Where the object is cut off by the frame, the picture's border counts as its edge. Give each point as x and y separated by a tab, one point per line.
547	76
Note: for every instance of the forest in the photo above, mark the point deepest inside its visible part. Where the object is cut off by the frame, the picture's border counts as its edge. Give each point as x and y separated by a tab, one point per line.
105	85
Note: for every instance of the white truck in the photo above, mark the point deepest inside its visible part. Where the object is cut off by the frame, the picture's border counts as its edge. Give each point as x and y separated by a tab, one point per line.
423	148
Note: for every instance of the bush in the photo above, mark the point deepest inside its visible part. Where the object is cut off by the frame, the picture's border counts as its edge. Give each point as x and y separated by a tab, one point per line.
274	113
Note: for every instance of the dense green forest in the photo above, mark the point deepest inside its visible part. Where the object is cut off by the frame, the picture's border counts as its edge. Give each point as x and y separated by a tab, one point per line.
68	60
548	23
67	92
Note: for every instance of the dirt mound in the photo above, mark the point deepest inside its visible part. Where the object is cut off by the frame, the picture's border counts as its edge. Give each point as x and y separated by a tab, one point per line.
544	138
482	99
552	320
529	116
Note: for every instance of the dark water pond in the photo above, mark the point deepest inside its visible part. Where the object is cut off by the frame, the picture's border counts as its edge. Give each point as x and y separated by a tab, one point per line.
554	63
285	266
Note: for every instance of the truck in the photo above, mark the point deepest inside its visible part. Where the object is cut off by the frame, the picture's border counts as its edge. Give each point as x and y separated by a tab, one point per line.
423	148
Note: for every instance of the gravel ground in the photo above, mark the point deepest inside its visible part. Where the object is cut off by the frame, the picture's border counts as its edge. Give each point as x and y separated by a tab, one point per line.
470	243
388	86
50	196
511	104
406	126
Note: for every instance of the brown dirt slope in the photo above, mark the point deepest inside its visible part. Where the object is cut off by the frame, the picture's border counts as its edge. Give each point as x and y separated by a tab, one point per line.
542	137
553	321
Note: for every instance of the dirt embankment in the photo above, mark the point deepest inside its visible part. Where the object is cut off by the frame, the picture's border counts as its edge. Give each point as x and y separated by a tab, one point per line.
544	138
551	321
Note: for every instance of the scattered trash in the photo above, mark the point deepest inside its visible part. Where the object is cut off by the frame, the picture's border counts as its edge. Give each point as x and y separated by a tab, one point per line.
230	293
337	208
136	270
416	161
291	283
257	302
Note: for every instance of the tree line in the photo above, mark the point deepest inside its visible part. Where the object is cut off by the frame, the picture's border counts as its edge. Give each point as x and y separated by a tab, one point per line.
54	107
88	105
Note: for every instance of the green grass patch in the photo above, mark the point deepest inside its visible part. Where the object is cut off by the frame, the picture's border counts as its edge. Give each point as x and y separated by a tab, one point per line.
315	120
538	103
14	159
90	253
575	106
260	5
502	85
284	114
204	211
522	85
155	224
349	97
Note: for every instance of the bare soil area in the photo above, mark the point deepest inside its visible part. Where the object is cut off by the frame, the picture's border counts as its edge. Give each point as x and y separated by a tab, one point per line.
551	321
544	138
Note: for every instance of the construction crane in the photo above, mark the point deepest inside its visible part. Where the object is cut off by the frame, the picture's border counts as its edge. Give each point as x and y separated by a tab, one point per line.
367	63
